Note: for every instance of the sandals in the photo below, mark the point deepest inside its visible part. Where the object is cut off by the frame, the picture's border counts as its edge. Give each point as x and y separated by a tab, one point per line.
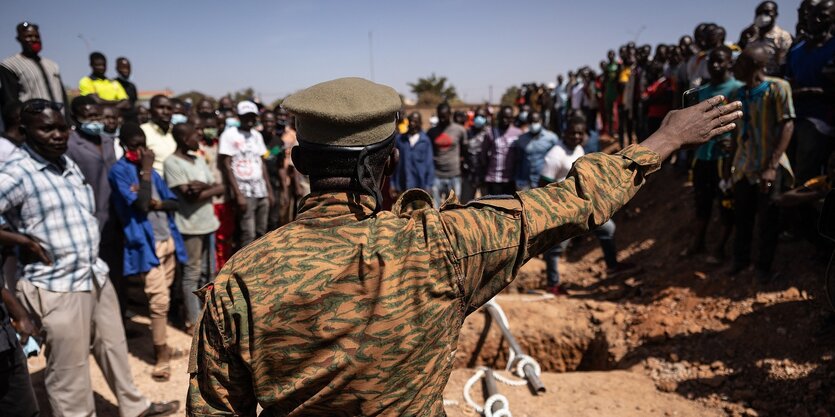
162	368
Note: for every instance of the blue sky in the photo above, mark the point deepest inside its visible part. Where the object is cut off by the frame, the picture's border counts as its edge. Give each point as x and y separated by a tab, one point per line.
278	47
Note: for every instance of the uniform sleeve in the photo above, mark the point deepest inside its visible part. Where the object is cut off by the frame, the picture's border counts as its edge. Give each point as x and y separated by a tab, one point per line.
86	87
220	383
491	239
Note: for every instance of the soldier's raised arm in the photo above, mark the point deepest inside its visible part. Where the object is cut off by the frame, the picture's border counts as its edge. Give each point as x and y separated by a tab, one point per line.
492	238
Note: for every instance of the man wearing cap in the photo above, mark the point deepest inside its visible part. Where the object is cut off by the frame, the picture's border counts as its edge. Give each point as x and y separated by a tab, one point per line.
350	310
240	154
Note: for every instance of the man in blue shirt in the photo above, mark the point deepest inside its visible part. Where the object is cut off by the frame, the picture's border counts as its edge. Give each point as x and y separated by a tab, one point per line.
530	152
810	66
153	244
416	168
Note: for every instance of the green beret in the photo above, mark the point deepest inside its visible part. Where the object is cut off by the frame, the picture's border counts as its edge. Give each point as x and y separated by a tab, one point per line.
344	112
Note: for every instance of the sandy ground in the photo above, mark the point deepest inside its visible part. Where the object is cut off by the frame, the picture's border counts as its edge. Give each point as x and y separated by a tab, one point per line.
681	338
141	359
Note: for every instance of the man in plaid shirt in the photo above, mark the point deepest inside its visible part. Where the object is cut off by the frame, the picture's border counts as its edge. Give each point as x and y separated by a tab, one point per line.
64	283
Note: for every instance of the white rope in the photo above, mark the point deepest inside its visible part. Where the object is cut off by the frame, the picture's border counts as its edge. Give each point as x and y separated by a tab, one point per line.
469	385
503	411
513	382
527	360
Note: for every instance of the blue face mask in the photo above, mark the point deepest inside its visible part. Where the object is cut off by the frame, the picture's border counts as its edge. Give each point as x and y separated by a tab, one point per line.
232	122
536	128
177	118
479	121
92	128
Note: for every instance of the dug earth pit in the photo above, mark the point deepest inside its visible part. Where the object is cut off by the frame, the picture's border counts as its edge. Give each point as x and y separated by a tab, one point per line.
562	334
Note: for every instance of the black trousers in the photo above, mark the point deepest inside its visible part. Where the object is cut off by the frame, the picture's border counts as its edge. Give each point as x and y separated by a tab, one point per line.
17	398
753	208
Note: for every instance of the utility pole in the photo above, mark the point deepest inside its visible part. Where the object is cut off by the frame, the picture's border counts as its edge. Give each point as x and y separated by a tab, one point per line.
490	94
371	53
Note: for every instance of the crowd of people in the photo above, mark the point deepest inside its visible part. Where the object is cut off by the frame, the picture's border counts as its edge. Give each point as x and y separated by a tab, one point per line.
101	189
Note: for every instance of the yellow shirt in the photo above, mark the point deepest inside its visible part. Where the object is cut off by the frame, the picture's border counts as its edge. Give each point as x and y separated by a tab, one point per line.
162	144
106	89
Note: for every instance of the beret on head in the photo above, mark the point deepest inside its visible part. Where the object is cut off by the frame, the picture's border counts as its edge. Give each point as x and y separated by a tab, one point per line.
344	112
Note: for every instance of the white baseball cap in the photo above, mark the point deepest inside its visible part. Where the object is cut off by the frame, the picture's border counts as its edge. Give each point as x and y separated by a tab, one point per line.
246	107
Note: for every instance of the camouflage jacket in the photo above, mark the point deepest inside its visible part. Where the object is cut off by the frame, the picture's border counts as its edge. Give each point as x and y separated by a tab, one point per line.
341	313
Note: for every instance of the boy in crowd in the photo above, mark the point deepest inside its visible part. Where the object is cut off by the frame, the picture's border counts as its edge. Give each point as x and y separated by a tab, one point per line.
711	165
153	244
558	162
194	184
761	169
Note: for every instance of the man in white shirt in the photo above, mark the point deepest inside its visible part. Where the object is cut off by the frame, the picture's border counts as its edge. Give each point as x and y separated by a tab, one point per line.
773	38
558	162
240	155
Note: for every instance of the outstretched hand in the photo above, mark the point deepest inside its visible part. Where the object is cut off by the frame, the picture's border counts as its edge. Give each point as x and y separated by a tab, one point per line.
694	125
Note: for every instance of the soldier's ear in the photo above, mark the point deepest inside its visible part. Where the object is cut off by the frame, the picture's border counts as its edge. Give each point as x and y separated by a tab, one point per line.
391	162
299	160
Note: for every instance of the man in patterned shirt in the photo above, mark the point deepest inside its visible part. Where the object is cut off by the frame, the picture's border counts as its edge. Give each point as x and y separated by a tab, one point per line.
761	169
350	310
64	283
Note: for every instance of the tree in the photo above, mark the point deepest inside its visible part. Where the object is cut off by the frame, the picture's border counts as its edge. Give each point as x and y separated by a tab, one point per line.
195	97
241	95
510	95
433	90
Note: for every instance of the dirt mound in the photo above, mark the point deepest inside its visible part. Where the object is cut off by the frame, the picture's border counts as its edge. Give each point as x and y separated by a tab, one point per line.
579	394
561	334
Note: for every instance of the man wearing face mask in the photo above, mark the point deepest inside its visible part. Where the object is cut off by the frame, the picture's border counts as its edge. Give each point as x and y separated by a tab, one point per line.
94	152
530	152
474	156
774	39
158	131
178	112
27	75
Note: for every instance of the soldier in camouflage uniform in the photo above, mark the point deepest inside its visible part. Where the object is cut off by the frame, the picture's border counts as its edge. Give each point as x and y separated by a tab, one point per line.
350	310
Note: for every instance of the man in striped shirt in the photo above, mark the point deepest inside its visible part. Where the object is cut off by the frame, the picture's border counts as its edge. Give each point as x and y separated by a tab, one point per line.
64	283
761	170
27	75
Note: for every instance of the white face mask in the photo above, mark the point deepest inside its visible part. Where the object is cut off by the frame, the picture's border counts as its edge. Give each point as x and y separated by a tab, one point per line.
763	20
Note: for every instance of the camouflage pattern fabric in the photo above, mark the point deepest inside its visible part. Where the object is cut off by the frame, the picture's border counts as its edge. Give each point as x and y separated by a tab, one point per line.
342	314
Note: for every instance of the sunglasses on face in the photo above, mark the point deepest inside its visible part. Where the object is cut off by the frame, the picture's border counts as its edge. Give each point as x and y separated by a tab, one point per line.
39	105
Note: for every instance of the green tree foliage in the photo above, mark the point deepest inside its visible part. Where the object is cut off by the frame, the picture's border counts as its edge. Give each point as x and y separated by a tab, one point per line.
196	96
432	90
509	96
